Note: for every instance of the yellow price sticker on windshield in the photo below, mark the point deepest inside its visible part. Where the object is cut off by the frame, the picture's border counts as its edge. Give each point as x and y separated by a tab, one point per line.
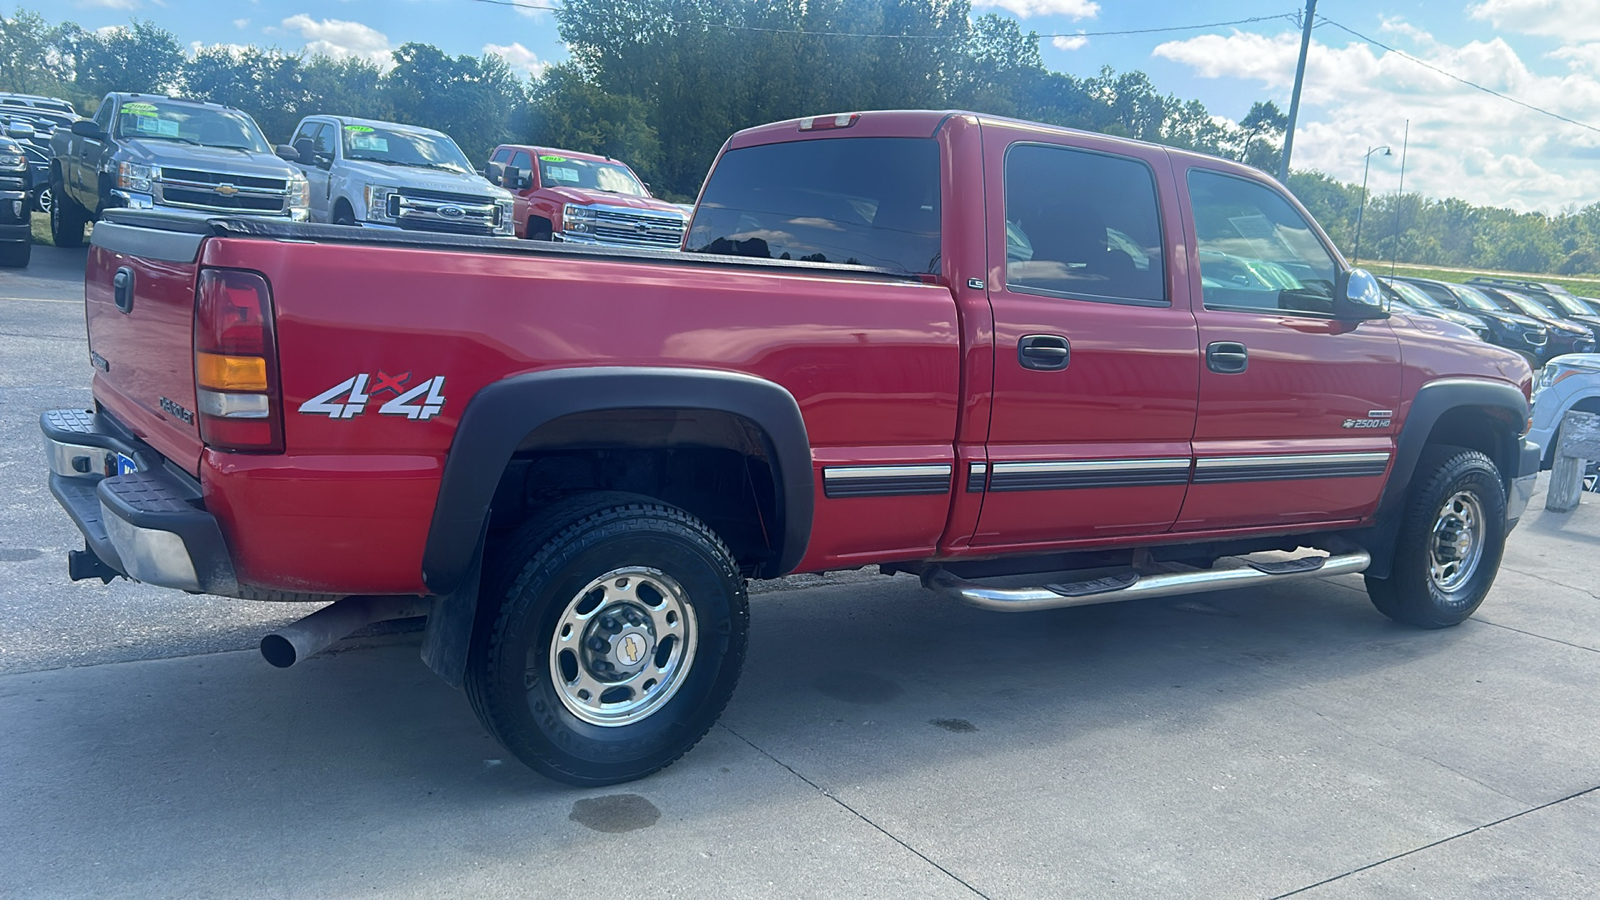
357	128
139	109
554	158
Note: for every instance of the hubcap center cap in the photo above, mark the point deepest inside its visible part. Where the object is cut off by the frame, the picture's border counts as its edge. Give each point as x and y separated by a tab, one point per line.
630	649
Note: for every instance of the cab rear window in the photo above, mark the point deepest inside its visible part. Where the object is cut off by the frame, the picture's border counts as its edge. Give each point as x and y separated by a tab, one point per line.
857	201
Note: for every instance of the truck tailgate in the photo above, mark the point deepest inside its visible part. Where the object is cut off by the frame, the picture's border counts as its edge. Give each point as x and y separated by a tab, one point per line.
139	299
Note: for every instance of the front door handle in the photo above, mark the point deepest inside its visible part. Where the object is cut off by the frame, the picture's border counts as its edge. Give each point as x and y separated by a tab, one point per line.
1044	352
1227	357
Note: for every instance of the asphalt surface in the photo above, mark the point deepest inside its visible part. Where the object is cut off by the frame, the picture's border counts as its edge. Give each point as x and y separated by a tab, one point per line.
884	742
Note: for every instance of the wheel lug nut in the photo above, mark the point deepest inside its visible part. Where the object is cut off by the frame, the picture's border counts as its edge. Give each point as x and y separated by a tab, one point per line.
609	624
598	645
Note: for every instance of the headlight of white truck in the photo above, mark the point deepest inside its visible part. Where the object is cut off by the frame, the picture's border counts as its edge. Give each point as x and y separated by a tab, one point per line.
504	210
577	219
135	177
377	199
299	198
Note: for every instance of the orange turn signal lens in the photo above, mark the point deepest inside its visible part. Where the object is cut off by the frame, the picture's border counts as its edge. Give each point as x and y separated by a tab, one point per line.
230	373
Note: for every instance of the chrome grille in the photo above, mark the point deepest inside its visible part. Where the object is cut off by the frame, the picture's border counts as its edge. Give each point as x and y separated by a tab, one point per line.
439	211
221	192
630	228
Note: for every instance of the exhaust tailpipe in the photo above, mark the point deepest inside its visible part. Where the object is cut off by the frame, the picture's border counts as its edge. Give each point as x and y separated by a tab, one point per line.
316	632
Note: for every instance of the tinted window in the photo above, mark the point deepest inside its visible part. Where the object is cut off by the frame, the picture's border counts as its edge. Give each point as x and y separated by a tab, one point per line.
863	201
322	141
102	116
1256	250
1082	225
305	133
523	162
501	155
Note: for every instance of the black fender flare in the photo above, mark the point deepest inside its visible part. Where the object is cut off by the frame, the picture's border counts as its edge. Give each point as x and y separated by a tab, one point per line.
503	413
1432	401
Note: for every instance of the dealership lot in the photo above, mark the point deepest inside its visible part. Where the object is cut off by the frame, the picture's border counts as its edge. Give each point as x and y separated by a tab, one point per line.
883	742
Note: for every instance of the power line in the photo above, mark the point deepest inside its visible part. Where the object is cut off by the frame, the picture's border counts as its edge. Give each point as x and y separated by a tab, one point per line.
1472	84
517	4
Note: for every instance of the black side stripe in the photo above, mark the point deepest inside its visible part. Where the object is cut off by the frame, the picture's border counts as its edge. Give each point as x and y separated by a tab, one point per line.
977	477
1075	474
885	481
1229	474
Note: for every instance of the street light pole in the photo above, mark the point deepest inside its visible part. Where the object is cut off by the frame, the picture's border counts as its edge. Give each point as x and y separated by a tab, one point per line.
1366	161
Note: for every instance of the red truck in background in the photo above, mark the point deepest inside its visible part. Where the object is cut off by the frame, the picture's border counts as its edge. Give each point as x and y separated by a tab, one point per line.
940	343
581	198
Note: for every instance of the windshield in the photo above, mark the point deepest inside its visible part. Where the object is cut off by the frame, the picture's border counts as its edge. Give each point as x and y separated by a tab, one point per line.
1528	305
398	147
1571	304
1474	298
588	175
1415	296
188	124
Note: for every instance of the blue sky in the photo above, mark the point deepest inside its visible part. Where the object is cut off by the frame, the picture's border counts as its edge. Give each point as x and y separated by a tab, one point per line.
1462	142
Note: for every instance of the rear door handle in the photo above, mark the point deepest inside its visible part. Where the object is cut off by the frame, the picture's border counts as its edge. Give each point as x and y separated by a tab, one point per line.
1044	352
1227	357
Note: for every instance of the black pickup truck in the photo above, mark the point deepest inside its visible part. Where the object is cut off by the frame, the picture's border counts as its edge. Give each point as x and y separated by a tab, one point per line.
144	151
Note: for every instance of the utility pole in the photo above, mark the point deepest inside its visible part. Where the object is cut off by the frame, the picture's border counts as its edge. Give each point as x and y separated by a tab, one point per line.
1361	210
1299	81
1400	200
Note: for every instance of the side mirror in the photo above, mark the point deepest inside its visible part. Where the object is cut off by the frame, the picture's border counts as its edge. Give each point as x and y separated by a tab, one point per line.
495	172
87	128
511	178
1357	296
304	152
20	130
287	152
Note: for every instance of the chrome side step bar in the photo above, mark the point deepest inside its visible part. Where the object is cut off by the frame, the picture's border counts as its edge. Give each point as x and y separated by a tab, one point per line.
1132	586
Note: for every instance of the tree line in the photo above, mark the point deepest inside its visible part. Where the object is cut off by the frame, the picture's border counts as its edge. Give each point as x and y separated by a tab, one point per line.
662	83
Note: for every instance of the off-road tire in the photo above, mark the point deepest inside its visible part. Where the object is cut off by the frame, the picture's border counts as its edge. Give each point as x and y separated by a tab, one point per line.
67	219
15	256
1410	594
529	581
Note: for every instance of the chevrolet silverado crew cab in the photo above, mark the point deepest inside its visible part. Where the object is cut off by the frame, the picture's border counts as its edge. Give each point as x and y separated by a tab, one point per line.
147	151
387	175
581	198
939	343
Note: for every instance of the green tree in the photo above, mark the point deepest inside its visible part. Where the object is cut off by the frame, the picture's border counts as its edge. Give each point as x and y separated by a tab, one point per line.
138	57
472	99
30	57
569	111
264	83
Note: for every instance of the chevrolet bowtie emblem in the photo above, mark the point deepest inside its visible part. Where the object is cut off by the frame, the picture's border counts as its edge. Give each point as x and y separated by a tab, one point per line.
227	190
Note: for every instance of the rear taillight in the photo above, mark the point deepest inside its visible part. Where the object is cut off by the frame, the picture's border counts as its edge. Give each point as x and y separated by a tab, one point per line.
236	363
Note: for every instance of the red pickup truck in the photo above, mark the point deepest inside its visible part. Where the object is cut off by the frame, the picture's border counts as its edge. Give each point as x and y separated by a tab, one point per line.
581	198
940	343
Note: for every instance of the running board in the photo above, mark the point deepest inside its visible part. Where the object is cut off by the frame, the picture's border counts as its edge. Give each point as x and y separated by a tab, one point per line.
1133	586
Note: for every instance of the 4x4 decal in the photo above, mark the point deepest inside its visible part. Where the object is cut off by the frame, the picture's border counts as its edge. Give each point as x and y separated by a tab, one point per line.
422	401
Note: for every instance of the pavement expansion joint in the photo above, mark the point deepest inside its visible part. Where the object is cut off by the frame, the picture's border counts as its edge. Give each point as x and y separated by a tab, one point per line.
1445	840
854	812
1532	634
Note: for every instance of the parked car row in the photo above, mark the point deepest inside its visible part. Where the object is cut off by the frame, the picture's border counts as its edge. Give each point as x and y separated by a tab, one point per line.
143	151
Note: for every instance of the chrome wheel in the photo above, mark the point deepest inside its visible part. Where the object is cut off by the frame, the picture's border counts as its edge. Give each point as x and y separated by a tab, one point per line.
1457	545
43	201
622	646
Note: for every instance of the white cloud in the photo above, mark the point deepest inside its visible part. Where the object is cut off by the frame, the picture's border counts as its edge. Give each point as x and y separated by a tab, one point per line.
111	4
1065	42
241	23
340	39
519	58
1572	21
1463	142
1022	9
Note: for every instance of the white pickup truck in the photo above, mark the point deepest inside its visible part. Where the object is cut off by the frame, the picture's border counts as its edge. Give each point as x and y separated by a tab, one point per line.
388	175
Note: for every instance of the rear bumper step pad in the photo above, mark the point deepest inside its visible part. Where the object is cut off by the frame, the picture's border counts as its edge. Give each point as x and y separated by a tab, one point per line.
147	524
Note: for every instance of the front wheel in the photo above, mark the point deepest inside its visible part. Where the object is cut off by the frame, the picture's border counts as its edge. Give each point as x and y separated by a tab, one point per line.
618	640
1450	541
67	219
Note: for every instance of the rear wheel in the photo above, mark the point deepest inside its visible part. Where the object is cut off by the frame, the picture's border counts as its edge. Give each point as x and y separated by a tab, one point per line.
618	639
1450	542
15	256
67	219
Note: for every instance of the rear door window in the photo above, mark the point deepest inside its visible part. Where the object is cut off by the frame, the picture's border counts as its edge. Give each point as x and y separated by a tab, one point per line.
1082	225
856	201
